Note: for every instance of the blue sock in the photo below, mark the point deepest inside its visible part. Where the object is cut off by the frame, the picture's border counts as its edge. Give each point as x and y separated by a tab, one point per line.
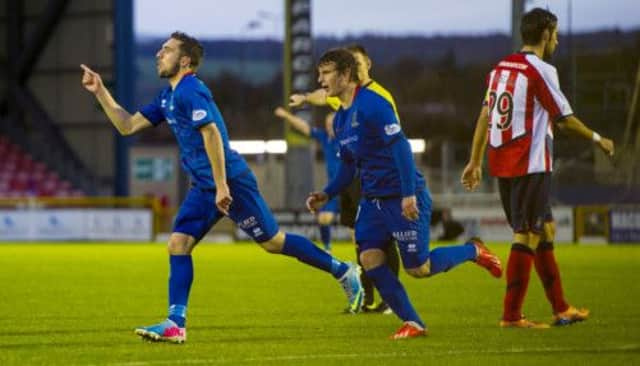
180	279
393	293
305	251
325	236
444	258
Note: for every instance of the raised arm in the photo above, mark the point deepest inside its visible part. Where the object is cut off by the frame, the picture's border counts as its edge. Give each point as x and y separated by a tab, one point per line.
573	124
122	120
317	97
294	121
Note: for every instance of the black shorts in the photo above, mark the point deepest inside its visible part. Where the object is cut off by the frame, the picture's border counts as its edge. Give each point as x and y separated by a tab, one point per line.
525	201
349	201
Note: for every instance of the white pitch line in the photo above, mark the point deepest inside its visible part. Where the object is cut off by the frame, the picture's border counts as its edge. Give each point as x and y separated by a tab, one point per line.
513	350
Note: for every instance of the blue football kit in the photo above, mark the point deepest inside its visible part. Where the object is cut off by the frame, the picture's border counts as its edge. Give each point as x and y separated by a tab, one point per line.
371	141
186	109
330	150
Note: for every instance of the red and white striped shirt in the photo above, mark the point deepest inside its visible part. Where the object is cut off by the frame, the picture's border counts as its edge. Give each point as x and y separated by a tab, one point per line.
523	97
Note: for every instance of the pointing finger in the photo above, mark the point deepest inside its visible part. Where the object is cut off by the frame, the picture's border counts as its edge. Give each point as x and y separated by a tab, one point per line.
86	69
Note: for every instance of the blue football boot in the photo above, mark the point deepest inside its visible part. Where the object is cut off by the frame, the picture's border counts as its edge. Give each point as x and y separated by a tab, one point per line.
350	282
167	331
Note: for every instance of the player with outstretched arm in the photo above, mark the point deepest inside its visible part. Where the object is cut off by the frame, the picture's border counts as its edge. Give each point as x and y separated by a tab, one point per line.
222	183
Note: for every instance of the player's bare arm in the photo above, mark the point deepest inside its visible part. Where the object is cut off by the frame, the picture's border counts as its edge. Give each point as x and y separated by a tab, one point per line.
122	120
214	148
472	173
294	121
317	97
574	125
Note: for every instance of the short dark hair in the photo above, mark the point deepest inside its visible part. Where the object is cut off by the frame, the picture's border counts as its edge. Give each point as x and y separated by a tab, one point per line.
357	48
344	61
534	23
189	47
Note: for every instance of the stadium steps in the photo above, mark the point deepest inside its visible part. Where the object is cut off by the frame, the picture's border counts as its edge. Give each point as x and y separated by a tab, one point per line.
22	176
44	143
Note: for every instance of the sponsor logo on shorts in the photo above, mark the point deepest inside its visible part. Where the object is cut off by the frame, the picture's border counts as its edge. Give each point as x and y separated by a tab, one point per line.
408	235
247	223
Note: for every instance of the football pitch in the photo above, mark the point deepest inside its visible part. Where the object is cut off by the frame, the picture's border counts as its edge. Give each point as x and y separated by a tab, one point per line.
77	304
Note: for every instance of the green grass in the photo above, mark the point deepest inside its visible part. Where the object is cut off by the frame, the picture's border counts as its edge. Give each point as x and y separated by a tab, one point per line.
78	304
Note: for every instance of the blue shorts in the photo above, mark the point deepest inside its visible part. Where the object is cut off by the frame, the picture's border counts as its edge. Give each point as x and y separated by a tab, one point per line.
198	213
331	206
380	221
525	201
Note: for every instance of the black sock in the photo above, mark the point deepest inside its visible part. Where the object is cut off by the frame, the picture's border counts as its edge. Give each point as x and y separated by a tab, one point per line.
393	259
367	284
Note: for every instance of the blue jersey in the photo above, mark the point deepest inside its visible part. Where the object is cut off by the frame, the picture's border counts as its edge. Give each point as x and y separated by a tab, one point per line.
186	109
330	149
366	131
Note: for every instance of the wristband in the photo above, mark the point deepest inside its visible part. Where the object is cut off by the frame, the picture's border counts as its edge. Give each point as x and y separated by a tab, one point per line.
596	137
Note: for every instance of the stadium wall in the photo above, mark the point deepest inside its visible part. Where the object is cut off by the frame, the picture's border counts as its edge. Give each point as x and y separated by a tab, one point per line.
84	34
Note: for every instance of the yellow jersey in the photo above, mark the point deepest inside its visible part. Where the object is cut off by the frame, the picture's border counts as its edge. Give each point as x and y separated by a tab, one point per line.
334	102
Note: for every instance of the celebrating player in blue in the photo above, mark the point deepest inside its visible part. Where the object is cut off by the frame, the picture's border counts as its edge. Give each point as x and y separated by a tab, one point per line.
350	197
330	147
222	183
395	202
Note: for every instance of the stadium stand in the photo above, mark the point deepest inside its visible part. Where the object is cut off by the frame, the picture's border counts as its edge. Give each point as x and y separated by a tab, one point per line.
22	176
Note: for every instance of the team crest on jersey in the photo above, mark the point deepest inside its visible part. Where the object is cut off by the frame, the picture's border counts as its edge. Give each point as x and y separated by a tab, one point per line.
163	103
392	129
198	115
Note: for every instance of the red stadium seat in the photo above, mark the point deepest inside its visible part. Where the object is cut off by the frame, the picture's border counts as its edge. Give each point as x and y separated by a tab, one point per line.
39	167
25	162
21	175
53	176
